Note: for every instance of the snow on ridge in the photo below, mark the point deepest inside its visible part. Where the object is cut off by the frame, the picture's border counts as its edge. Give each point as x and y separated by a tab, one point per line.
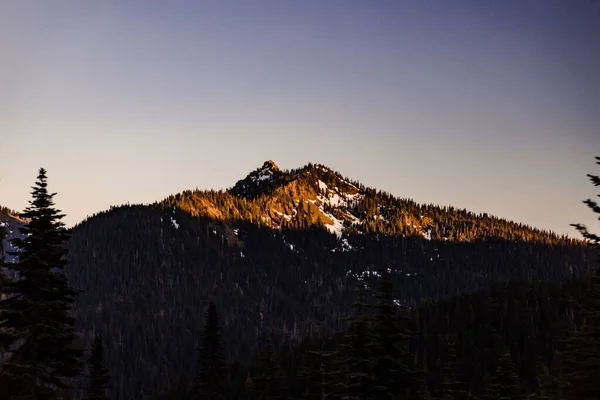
174	222
322	185
337	227
263	175
333	198
363	274
427	234
345	246
286	216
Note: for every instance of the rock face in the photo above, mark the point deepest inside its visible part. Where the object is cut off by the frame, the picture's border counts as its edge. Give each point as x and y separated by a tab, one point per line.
270	165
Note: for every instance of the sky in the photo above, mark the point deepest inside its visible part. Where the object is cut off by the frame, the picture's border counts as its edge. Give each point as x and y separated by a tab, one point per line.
482	104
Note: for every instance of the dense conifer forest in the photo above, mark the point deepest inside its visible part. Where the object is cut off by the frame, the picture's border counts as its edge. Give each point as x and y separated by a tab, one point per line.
296	284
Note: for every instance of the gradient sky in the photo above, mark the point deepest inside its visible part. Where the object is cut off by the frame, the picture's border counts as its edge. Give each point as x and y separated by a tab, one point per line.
483	104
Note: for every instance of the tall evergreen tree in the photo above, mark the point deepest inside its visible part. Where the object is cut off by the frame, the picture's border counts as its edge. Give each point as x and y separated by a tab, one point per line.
98	377
580	361
269	381
593	238
4	387
210	375
38	332
452	383
391	358
421	390
322	379
2	257
505	383
358	348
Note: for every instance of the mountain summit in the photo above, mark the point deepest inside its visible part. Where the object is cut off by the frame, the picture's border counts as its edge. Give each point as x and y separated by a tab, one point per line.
317	196
259	181
312	195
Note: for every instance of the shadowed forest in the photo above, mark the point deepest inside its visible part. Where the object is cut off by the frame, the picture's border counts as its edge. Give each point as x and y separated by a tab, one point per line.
299	284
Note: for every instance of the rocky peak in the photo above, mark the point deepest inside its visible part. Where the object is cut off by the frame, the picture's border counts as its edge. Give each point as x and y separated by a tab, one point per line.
262	180
270	165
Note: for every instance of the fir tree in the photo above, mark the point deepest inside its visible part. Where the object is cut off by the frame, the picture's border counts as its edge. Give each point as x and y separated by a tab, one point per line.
210	382
98	377
421	390
4	387
392	375
452	383
358	346
580	361
2	258
323	377
269	381
505	384
38	332
593	238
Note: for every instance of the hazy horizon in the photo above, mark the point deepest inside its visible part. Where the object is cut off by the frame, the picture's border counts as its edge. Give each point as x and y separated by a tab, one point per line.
489	106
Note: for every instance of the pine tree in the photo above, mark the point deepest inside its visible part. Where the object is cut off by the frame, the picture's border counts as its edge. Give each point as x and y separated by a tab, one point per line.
593	238
38	333
358	347
323	377
210	382
269	382
452	383
421	390
98	377
391	358
2	258
580	361
505	384
4	386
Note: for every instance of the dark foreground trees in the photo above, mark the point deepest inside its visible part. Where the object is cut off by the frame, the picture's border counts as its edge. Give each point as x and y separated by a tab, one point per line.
37	333
210	376
98	377
581	357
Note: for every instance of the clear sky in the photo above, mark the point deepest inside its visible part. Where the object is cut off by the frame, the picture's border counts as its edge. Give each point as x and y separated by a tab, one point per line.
483	104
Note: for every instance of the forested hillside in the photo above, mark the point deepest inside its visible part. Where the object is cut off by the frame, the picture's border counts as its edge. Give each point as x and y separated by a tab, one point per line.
507	341
284	257
281	255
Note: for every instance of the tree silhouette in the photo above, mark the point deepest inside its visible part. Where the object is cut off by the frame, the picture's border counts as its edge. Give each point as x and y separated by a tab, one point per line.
210	382
98	377
580	361
38	333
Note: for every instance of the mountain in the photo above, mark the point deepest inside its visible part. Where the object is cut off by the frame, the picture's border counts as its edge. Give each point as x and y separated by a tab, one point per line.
316	196
281	251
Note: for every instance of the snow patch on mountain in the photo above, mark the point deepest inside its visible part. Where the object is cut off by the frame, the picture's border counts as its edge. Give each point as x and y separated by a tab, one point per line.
286	216
344	246
263	175
11	227
333	198
266	173
337	227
